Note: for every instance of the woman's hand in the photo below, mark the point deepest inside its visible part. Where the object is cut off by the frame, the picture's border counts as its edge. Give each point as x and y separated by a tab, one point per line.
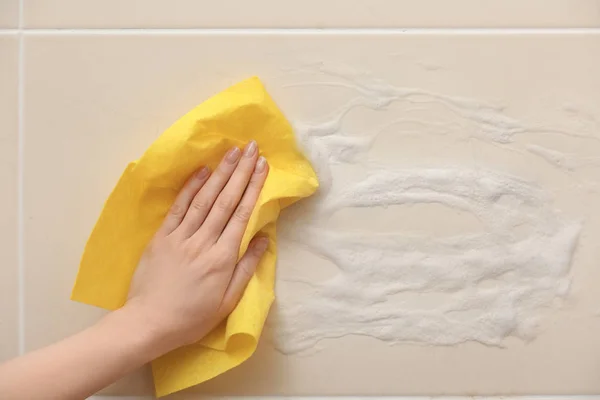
189	278
187	281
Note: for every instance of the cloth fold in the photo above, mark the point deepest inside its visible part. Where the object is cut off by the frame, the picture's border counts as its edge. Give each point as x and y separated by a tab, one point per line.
139	202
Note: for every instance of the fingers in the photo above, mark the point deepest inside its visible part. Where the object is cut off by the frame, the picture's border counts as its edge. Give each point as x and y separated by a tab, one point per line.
203	201
234	231
244	271
183	201
228	200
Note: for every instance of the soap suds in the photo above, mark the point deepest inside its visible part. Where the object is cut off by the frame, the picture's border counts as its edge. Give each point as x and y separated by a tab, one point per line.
490	285
490	120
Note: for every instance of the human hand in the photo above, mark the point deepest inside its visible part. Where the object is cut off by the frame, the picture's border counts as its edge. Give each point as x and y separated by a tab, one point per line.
189	277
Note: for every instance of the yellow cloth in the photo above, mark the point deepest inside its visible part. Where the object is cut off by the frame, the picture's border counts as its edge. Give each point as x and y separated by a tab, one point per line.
147	188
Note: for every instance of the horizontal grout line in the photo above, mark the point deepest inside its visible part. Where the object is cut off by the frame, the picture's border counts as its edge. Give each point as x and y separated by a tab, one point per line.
308	31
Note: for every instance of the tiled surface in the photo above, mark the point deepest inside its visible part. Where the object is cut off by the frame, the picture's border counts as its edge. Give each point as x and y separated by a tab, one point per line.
9	14
94	102
310	13
8	197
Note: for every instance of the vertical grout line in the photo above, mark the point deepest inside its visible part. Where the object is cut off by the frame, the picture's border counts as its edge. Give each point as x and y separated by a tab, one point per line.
20	184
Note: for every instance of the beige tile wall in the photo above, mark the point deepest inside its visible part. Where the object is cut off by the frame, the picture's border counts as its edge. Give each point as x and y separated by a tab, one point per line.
94	102
309	13
8	197
9	14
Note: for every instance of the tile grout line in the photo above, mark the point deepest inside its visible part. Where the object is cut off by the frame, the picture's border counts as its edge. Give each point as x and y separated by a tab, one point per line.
20	184
300	31
314	31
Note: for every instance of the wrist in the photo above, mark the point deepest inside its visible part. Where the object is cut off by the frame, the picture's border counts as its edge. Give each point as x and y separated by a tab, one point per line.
132	326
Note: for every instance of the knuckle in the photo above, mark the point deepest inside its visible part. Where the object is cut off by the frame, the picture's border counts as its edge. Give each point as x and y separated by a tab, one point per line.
224	257
199	204
246	269
257	179
191	251
158	245
155	245
225	204
177	210
224	169
242	213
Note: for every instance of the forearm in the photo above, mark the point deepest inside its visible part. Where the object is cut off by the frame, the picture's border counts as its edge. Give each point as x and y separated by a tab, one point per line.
81	365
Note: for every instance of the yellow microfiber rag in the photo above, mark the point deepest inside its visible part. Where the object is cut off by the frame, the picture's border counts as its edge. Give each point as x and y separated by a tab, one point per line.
146	190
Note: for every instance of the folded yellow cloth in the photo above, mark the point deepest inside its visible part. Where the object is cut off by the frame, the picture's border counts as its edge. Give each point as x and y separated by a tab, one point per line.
146	190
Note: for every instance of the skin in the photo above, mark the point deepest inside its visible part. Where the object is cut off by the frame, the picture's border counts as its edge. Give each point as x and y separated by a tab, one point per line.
188	280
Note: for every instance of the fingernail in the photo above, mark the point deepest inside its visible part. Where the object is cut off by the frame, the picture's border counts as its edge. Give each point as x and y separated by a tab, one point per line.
203	173
250	149
232	155
261	244
261	164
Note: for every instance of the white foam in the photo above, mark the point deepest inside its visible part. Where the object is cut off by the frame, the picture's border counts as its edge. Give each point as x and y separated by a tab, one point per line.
490	284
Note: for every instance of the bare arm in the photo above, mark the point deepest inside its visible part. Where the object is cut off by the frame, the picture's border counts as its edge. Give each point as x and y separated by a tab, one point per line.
188	280
81	365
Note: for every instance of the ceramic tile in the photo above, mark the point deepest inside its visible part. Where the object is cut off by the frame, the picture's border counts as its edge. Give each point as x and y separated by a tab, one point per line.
8	200
9	13
95	102
310	13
